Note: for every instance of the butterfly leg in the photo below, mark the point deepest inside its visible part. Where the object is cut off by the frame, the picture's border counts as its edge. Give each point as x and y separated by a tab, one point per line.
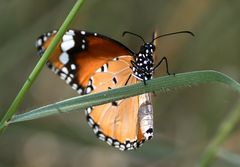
166	63
128	79
144	81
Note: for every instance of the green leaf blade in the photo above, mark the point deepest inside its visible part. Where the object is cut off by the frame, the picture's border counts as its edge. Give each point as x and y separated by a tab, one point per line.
161	84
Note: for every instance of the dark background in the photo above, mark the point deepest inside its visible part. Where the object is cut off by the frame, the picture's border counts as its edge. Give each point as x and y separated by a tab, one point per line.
185	120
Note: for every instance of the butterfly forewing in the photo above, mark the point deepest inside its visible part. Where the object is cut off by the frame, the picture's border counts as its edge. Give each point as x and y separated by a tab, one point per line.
81	52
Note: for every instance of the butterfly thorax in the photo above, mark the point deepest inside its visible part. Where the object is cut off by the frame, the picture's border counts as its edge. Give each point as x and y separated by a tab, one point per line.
143	62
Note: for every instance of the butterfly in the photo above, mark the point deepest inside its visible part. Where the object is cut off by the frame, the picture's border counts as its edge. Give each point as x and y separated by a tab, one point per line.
91	63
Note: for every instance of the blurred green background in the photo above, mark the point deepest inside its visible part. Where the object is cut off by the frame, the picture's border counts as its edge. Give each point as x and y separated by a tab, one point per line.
185	120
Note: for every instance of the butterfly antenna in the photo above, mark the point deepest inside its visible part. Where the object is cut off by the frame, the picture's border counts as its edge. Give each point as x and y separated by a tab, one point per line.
173	33
127	32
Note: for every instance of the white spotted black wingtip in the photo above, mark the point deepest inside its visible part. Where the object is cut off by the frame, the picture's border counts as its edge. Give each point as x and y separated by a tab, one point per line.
41	40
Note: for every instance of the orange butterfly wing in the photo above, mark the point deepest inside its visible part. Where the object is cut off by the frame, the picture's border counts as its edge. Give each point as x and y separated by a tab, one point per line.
86	51
90	62
117	123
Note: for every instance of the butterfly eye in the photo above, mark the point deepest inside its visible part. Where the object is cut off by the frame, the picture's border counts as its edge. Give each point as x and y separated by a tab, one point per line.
143	48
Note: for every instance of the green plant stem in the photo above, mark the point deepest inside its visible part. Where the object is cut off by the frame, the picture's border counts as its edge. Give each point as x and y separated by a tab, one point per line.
19	98
224	131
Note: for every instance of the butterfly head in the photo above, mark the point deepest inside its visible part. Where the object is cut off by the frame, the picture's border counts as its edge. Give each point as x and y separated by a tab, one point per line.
143	61
148	48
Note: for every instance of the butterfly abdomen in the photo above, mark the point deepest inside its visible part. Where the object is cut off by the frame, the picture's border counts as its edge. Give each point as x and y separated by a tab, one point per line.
145	116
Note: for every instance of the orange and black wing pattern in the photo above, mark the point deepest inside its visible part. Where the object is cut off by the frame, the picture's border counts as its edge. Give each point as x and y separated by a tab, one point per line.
79	55
92	63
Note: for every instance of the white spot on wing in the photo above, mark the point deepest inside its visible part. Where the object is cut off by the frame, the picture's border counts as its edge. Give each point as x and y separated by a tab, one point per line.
70	32
71	75
88	90
83	32
67	37
95	129
109	141
99	70
83	46
89	110
67	45
68	80
116	143
65	70
45	38
105	68
74	86
63	76
101	137
122	147
80	91
39	42
73	66
90	122
64	58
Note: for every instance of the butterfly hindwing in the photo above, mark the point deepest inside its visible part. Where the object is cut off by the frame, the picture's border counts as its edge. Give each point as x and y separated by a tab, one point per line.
118	123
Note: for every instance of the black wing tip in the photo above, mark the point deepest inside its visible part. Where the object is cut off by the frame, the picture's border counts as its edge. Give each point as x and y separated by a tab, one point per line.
41	40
